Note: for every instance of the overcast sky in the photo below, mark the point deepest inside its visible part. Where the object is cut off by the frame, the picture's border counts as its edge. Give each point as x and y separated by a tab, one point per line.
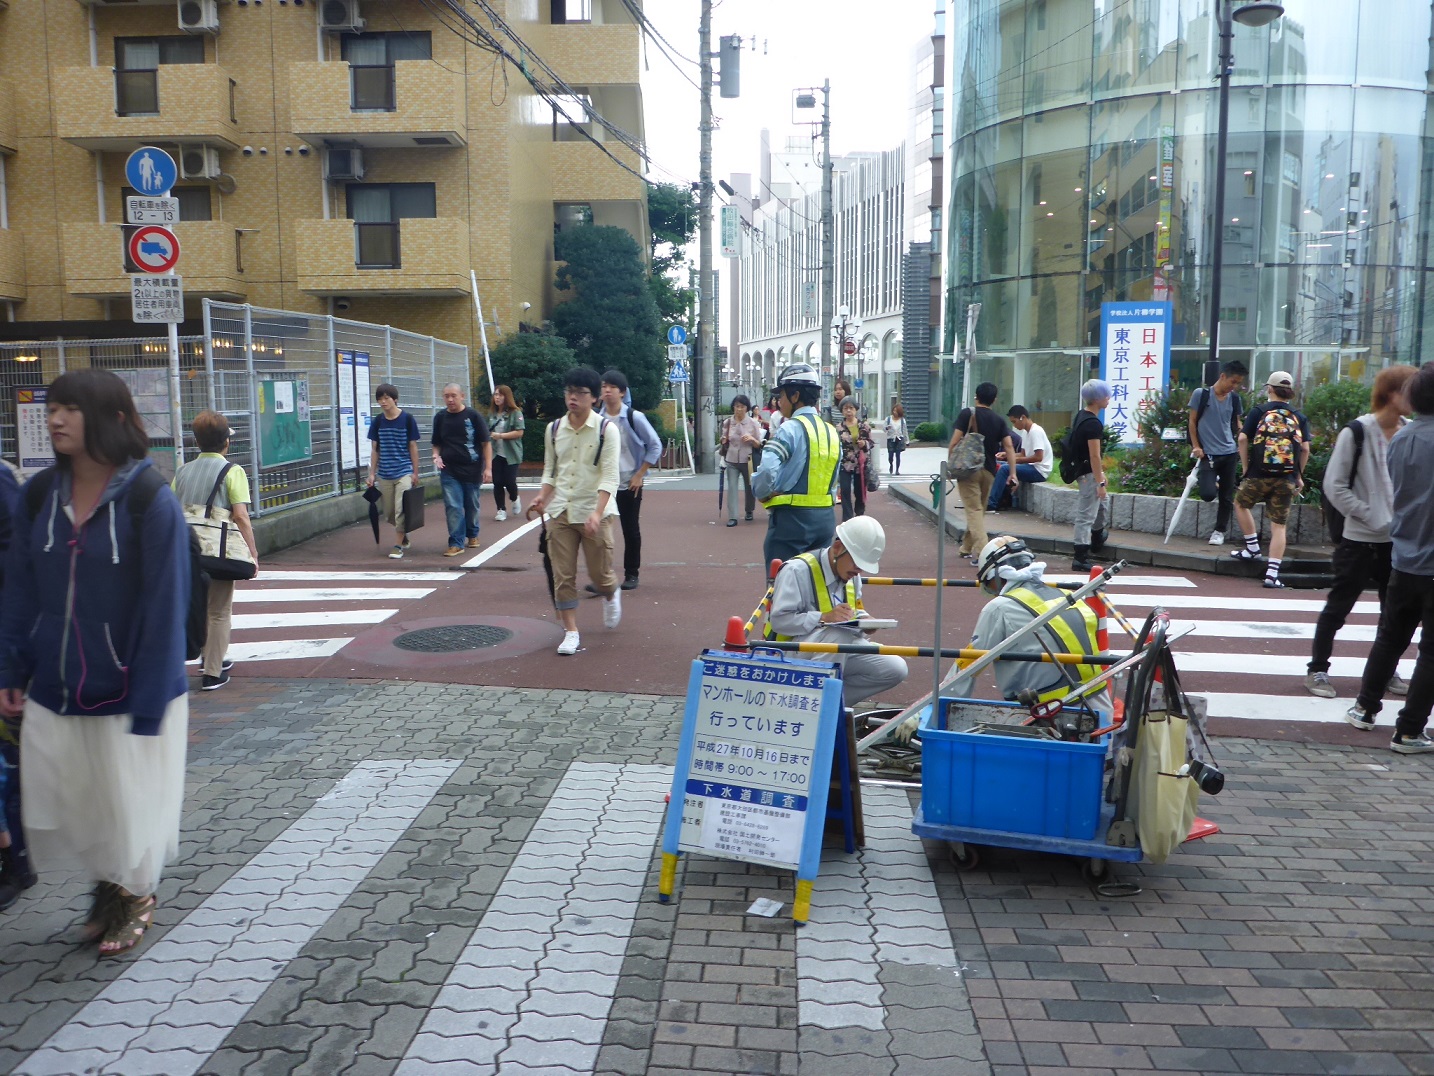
865	49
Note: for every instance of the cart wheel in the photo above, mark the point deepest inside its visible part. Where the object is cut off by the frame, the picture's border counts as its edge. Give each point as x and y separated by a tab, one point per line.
1095	870
964	857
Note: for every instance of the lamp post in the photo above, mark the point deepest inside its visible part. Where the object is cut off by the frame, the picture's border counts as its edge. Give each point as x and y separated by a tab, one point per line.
843	328
1247	14
807	99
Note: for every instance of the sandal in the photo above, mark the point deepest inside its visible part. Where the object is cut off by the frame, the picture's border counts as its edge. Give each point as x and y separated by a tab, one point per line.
132	918
102	911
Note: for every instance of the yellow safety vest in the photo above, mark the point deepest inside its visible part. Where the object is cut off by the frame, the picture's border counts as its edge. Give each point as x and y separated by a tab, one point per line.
823	458
819	584
1065	631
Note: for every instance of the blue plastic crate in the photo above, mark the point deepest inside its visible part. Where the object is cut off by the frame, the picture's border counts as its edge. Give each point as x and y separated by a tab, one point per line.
1011	785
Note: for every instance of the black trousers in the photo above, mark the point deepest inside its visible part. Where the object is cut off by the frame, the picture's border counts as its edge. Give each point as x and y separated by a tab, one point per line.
629	507
1357	566
1226	469
853	494
1408	603
505	480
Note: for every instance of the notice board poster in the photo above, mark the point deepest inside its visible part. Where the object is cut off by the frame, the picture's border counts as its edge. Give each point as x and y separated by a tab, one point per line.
285	434
32	429
355	407
755	760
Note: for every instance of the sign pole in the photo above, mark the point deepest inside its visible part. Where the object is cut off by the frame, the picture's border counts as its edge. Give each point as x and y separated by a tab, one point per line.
174	391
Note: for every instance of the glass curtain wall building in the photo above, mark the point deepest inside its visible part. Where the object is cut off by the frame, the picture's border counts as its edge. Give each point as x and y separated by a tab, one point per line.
1080	169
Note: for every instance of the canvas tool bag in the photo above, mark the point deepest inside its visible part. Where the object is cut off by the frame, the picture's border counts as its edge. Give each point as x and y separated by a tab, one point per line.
1163	798
223	553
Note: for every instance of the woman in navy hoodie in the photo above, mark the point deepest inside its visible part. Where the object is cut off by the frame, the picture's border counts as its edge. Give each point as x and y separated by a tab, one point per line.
92	650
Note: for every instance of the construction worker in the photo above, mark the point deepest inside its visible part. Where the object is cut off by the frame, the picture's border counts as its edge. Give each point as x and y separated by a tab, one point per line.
817	599
799	470
1007	569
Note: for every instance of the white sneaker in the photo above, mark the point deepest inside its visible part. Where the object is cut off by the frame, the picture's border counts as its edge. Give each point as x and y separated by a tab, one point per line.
569	645
1218	538
517	506
502	515
612	610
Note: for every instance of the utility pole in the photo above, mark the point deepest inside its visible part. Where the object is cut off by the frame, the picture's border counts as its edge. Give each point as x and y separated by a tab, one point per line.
828	237
703	370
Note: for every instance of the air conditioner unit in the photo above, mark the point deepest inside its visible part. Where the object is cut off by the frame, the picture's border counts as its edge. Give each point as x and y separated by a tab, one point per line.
199	16
343	163
198	162
340	16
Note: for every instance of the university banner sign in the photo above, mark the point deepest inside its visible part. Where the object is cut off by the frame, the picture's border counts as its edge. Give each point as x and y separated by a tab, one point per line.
1134	362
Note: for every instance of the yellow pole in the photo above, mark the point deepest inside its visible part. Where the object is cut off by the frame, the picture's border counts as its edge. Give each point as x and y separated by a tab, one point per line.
926	652
802	904
667	880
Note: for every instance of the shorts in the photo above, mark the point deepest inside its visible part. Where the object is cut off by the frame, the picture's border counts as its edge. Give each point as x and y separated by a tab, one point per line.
1275	493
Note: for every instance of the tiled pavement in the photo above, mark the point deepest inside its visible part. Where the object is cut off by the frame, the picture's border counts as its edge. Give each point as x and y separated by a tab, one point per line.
1300	940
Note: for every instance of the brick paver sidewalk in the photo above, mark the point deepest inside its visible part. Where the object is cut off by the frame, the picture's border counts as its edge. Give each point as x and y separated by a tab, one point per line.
381	877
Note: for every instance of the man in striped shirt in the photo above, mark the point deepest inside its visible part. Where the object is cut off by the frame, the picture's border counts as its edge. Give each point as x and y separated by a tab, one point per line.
393	461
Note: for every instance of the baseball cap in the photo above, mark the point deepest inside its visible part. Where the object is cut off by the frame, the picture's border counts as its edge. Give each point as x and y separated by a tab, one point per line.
1282	379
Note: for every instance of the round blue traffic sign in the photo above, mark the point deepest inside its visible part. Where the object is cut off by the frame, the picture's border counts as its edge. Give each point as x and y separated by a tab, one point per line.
676	334
150	171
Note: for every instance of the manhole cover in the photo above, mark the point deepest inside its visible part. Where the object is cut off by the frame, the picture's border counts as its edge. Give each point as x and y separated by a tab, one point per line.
451	638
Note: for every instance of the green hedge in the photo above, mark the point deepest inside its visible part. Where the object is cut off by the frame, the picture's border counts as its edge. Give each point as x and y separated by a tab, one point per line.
930	431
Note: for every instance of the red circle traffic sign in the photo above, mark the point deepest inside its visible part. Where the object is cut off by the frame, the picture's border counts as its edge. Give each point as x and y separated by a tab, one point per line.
850	347
153	249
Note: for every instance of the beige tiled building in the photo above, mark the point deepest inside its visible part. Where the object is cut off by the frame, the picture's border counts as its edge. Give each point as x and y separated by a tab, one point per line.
346	155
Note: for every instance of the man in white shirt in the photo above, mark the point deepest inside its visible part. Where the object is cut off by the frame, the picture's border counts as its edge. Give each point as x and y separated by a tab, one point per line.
1033	462
580	474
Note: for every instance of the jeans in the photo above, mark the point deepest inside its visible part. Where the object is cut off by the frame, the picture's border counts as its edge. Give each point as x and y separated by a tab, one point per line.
853	494
1090	511
460	505
1226	469
1026	473
1356	565
505	480
1408	603
738	473
629	507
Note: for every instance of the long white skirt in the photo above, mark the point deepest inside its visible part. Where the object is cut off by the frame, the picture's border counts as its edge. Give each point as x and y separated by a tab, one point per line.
97	797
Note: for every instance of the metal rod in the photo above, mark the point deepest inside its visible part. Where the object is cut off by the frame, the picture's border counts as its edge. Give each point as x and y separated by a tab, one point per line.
913	581
940	587
943	652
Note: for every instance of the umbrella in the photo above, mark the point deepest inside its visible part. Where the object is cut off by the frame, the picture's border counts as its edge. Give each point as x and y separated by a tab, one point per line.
373	496
1180	504
547	560
721	482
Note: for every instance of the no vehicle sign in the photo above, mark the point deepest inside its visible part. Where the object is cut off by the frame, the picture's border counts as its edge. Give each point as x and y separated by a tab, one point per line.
154	249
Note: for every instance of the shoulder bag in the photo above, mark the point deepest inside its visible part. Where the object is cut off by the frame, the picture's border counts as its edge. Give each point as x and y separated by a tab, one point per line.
223	553
968	458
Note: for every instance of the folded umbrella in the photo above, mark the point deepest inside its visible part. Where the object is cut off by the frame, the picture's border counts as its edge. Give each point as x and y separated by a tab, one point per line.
373	496
721	482
1180	504
547	560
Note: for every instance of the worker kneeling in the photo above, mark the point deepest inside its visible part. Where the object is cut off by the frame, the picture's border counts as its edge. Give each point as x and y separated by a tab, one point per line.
817	599
1007	569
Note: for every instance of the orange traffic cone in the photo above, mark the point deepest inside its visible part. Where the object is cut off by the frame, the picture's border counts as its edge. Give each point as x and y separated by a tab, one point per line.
736	635
1097	604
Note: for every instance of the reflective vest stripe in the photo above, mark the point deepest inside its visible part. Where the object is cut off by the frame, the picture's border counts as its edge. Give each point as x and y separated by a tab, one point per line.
823	458
1063	630
824	598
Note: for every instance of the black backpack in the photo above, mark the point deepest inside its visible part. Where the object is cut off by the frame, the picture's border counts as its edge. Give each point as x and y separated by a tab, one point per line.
1073	451
141	495
1333	517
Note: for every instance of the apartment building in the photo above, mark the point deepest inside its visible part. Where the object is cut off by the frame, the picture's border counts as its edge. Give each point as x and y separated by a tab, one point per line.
335	155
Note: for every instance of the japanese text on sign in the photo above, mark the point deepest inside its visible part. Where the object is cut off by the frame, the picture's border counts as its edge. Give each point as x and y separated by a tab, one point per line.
1134	362
753	755
157	299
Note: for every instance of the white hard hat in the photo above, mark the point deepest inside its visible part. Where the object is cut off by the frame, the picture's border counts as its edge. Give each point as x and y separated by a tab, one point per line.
799	373
863	538
1006	549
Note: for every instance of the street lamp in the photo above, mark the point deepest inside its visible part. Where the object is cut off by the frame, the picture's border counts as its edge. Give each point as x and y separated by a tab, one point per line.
1247	14
843	328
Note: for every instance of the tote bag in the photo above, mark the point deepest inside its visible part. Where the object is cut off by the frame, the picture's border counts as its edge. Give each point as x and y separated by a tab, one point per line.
223	553
968	458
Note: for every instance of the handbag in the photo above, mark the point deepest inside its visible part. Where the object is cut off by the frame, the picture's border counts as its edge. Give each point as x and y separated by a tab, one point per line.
223	553
1164	798
968	458
413	499
873	480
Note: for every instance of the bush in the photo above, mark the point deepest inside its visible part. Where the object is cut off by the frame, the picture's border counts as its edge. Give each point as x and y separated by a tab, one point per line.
1328	408
930	431
534	365
1158	467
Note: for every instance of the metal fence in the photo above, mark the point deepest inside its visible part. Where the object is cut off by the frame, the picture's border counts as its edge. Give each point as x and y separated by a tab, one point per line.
242	347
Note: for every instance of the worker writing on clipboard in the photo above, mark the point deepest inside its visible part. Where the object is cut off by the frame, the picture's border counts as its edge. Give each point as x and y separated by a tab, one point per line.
817	599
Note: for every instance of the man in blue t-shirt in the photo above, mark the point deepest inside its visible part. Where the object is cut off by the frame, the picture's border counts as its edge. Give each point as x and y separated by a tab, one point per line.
393	462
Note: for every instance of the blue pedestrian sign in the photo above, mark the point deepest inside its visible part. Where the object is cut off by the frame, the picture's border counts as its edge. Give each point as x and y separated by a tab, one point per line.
678	376
150	171
676	334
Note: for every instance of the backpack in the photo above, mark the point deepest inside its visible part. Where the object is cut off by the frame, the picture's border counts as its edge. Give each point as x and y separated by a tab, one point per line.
1277	436
141	495
602	436
1073	452
968	458
1235	412
1333	517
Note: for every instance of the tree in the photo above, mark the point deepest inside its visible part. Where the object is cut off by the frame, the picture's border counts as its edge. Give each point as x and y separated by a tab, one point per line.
672	216
612	320
533	365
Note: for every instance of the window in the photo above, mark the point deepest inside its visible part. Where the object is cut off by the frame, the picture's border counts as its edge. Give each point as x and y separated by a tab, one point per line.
566	11
193	205
938	112
371	58
572	113
376	209
137	61
571	215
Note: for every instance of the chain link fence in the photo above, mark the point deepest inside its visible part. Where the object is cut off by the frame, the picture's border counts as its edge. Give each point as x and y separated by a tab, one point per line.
297	390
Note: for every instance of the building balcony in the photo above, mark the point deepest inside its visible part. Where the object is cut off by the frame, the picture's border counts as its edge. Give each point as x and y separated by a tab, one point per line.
12	266
9	142
581	172
410	104
100	108
210	259
418	257
589	55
